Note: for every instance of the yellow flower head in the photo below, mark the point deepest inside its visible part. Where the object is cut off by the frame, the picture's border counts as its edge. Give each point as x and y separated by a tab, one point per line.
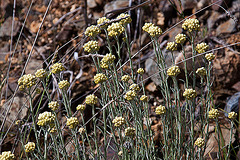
171	46
180	38
108	59
118	121
91	99
104	65
189	94
82	131
154	31
115	29
91	46
125	78
63	84
134	87
201	71
72	122
191	24
146	26
127	19
7	155
130	131
199	142
26	81
140	71
53	105
92	31
213	114
29	147
210	56
46	118
99	78
130	95
173	71
57	68
232	115
81	107
41	73
144	98
160	110
102	22
202	47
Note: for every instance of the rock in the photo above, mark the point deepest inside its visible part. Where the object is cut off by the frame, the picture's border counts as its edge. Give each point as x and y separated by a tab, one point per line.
91	3
227	27
232	104
115	5
173	32
212	19
33	66
6	28
151	87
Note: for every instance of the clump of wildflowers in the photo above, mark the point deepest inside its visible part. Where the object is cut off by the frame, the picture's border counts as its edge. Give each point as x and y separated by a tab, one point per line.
118	121
26	81
129	131
180	38
201	71
140	71
91	99
125	78
191	24
53	105
29	147
72	122
99	78
160	110
130	95
82	130
46	118
173	71
126	19
202	47
210	56
63	84
154	31
213	114
101	22
81	107
91	46
115	29
134	87
107	60
189	94
171	46
92	31
57	68
232	115
7	155
41	73
199	142
146	26
144	98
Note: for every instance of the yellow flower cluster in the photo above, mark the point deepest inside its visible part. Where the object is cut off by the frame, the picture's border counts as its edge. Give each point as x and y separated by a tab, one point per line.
29	147
210	56
180	38
7	155
63	84
53	130
189	94
201	71
115	29
46	118
199	142
191	24
102	22
146	26
82	131
57	68
213	114
130	131
202	47
232	115
99	78
134	87
151	29
130	95
173	71
81	107
92	31
127	19
125	78
144	98
91	99
140	71
118	121
160	110
53	105
91	46
107	60
72	122
26	81
41	73
171	46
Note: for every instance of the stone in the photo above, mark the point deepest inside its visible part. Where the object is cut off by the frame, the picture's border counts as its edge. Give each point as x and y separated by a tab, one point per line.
91	3
226	27
6	28
115	5
212	19
232	104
